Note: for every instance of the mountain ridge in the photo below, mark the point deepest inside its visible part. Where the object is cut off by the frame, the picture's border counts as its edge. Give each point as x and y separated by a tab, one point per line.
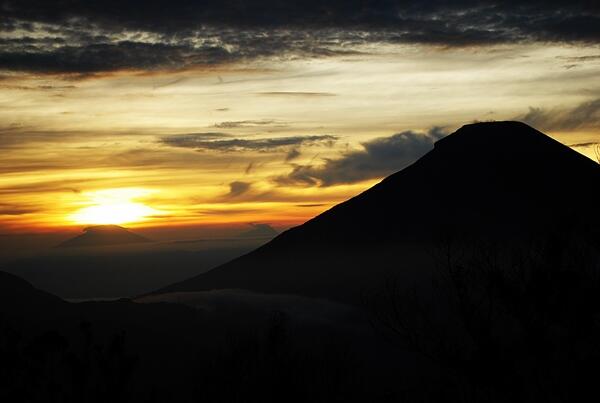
502	181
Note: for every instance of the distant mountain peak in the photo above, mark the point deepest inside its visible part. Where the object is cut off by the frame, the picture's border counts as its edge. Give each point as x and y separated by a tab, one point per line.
259	231
101	235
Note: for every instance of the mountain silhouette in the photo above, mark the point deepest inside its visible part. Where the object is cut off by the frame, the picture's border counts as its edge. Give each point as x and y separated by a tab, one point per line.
100	235
501	181
497	182
21	299
259	231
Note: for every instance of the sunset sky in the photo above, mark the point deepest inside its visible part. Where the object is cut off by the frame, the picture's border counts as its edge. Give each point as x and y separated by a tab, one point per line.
162	113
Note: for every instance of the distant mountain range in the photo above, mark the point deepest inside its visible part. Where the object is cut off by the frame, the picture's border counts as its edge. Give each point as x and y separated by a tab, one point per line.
496	181
101	235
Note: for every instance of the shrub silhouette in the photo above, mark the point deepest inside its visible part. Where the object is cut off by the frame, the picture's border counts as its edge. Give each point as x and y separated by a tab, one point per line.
504	323
264	364
47	368
268	366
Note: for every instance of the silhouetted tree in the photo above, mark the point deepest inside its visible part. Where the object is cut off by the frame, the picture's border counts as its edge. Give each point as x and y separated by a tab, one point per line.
47	368
504	323
267	366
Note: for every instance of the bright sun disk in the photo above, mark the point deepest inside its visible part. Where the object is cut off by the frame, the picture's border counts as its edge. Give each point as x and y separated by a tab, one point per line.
113	206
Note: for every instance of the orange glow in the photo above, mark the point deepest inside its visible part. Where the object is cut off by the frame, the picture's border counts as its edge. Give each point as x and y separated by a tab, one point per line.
113	206
92	150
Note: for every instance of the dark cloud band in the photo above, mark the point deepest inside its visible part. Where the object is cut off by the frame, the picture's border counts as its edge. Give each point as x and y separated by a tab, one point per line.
207	141
81	36
560	17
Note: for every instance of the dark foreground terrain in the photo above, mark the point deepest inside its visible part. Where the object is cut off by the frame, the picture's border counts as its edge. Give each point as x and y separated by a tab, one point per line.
471	276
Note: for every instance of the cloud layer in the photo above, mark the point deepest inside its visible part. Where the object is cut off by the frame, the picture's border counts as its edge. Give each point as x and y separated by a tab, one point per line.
225	143
81	36
378	158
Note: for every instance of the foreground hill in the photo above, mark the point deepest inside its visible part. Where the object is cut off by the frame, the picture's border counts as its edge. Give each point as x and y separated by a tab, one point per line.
499	182
224	347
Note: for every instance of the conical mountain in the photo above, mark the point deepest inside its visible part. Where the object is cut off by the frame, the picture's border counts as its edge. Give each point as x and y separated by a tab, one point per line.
101	235
501	181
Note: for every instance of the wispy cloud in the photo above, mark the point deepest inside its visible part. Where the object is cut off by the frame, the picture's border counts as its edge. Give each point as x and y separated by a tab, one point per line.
297	94
293	154
238	188
586	144
249	168
13	210
576	61
248	123
584	115
199	141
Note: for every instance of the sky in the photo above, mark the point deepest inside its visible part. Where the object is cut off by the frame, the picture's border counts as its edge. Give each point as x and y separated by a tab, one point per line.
182	113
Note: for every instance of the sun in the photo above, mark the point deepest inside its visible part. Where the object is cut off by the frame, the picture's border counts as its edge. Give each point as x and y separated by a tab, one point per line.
113	206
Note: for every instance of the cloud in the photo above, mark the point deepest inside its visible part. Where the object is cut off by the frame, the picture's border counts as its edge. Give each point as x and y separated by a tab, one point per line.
191	140
227	211
65	185
583	58
106	57
81	36
199	141
133	51
293	154
18	136
586	144
249	168
582	116
23	152
378	158
246	123
575	61
594	145
297	94
12	210
238	188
